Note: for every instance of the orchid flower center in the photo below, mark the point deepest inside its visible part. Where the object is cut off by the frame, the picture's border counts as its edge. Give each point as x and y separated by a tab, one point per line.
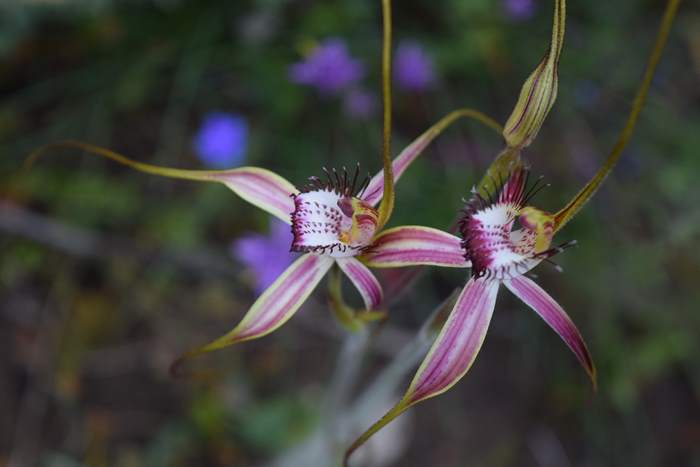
331	219
490	242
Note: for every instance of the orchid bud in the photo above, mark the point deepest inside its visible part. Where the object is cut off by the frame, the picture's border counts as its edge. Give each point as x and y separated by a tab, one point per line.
539	91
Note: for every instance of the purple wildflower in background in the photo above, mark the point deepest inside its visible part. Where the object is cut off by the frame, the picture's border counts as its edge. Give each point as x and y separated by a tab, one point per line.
359	104
266	256
328	67
221	140
519	10
413	67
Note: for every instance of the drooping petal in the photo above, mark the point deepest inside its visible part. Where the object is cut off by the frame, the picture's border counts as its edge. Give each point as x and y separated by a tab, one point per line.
452	353
364	281
460	340
373	193
260	187
277	304
415	245
554	315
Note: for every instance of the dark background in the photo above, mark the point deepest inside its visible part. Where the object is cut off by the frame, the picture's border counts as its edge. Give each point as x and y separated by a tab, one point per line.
106	275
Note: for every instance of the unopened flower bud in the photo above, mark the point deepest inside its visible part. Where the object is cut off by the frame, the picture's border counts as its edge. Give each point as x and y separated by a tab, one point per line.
539	91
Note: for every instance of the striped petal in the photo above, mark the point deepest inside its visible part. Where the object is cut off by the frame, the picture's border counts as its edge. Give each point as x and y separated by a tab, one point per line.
364	281
277	304
460	340
415	245
544	305
260	187
451	355
374	191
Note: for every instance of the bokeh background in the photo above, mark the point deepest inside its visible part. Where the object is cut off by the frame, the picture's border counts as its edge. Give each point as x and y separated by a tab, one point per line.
106	275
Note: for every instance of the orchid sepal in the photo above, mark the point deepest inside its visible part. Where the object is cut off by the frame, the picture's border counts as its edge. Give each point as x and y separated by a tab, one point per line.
554	315
415	246
260	187
450	356
563	216
277	304
375	189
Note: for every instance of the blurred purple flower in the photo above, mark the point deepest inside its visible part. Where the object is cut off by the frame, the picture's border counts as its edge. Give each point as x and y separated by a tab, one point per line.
519	10
221	140
328	67
266	256
413	67
359	104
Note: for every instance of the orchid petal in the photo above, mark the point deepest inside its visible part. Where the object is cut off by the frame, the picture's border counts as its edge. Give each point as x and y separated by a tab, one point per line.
554	315
459	342
260	187
413	246
277	304
452	353
364	281
374	191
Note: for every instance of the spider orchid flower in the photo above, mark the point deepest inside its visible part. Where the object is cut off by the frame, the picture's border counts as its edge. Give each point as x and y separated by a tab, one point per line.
500	254
333	220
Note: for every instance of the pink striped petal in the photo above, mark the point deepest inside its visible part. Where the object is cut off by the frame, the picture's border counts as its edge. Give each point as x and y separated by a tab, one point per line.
451	355
415	245
373	193
277	304
544	305
260	187
459	342
364	281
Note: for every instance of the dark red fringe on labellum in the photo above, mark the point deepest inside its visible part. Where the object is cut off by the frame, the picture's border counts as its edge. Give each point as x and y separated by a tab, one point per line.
481	242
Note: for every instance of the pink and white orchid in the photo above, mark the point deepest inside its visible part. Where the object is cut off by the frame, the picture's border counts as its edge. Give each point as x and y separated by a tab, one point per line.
497	255
497	252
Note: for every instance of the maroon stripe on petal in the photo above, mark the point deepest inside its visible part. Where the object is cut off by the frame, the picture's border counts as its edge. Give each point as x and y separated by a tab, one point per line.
416	257
415	245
